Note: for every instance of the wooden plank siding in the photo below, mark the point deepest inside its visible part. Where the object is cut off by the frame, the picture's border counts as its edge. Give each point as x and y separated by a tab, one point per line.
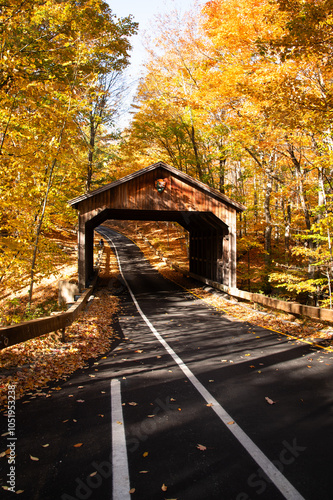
208	215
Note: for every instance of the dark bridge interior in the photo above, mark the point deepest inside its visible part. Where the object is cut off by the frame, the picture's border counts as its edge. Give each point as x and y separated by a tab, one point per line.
205	229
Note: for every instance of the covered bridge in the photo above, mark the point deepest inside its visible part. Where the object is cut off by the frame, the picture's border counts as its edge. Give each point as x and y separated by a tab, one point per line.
163	193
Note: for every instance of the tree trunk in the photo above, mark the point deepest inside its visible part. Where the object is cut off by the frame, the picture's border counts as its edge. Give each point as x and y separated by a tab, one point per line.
41	218
301	193
91	152
222	162
268	235
287	227
255	199
38	233
191	134
322	201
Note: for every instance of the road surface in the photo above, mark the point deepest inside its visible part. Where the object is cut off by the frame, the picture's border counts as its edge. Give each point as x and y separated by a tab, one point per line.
191	405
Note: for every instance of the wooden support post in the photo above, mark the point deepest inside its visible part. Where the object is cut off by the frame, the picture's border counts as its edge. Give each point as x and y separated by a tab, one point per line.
81	254
233	257
225	269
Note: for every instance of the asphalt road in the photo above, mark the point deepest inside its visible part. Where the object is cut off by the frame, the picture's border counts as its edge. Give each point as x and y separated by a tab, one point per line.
187	390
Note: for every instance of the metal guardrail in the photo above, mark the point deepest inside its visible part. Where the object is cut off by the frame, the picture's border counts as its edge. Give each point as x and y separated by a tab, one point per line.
15	334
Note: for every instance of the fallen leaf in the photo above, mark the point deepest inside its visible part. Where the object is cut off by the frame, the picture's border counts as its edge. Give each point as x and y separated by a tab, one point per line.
35	459
77	445
163	487
209	404
45	445
120	423
93	474
132	490
231	422
201	447
270	401
80	400
145	454
19	492
143	471
133	404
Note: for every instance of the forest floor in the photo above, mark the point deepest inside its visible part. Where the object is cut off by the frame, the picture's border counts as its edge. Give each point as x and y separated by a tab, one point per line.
37	365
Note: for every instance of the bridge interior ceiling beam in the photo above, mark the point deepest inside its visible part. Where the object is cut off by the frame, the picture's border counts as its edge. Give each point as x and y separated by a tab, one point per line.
205	222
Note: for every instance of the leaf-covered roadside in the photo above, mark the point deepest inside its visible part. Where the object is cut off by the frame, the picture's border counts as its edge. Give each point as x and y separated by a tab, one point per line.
303	329
32	365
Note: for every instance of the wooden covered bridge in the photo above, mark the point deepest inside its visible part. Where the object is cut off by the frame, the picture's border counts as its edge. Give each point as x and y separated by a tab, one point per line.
163	193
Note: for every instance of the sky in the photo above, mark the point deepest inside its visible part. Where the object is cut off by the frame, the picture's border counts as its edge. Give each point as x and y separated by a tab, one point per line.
144	12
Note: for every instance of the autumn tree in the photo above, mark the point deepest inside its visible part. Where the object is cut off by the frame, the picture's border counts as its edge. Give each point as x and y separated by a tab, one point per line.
238	95
52	55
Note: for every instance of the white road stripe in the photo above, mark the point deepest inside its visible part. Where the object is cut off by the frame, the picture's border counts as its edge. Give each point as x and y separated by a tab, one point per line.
280	481
120	473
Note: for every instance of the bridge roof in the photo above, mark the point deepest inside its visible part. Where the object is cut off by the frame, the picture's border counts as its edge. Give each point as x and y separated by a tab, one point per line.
190	181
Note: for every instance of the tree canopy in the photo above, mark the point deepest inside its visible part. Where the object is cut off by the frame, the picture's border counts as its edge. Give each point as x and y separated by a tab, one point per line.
54	55
237	93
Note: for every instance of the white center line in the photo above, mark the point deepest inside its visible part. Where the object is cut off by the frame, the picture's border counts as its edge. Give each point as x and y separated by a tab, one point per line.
280	481
120	473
